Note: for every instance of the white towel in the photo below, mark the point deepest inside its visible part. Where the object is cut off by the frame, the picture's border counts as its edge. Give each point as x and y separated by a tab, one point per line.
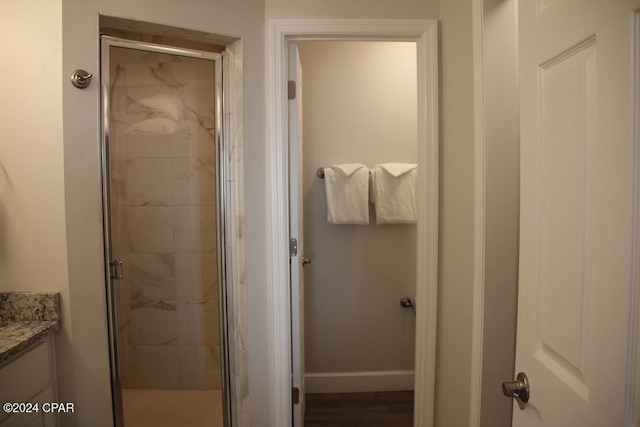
393	191
347	188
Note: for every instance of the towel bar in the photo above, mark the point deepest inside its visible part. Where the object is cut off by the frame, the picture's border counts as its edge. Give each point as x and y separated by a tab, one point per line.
320	173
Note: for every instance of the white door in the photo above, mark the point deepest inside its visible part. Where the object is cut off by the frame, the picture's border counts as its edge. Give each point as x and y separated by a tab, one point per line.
296	231
578	177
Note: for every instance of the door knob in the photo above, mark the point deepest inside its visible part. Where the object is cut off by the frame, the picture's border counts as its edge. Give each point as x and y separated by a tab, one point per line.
305	261
406	302
518	389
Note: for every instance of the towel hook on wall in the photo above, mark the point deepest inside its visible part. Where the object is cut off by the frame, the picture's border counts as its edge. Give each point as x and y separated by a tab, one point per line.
81	79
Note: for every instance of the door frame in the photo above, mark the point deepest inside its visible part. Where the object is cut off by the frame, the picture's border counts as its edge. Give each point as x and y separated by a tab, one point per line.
477	332
482	156
425	34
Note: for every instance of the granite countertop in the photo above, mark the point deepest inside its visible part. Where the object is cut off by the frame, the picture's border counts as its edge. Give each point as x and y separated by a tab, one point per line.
26	318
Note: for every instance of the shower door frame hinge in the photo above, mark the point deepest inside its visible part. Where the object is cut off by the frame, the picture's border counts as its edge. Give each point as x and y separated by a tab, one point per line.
115	268
295	395
293	247
291	90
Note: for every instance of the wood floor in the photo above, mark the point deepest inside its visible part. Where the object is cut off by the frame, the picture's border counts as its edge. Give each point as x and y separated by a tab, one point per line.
378	409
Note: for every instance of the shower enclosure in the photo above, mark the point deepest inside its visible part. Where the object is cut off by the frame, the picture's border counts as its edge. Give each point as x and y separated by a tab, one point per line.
164	234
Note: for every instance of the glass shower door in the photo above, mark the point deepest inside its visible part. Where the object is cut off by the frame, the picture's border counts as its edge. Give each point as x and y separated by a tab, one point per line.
163	210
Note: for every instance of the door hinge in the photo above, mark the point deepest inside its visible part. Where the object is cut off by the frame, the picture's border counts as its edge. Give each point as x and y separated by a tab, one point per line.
293	247
116	270
295	395
291	90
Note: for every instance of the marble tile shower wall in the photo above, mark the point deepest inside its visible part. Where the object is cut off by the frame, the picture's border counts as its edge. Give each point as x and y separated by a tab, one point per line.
235	230
163	198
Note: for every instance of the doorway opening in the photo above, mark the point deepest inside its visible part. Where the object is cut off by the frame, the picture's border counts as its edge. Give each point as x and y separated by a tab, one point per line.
424	36
359	106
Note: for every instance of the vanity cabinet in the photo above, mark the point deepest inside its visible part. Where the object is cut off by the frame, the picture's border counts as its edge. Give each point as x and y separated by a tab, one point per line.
30	378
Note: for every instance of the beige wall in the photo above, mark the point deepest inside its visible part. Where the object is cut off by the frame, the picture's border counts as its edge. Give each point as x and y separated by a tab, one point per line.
33	244
32	223
360	106
352	9
456	216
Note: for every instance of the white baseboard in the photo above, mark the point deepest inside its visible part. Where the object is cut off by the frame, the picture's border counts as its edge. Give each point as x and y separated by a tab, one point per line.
355	382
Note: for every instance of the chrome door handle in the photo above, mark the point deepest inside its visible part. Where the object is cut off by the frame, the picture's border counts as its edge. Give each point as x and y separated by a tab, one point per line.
518	389
306	261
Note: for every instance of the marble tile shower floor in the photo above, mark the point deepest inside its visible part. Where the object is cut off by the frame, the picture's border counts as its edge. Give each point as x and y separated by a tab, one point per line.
172	408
